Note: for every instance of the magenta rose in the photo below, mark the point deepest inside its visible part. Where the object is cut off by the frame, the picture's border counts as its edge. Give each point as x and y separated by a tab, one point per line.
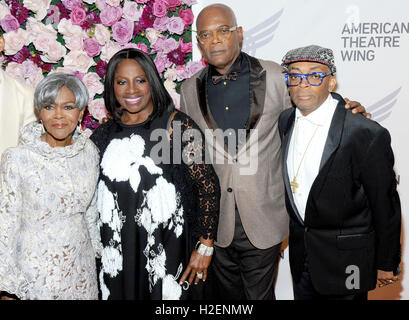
160	9
78	15
172	3
186	16
143	47
9	23
110	15
122	31
185	47
176	25
92	47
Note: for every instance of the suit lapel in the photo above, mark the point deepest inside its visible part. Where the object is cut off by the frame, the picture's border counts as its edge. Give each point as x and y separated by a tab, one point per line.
201	83
331	145
285	147
257	92
335	131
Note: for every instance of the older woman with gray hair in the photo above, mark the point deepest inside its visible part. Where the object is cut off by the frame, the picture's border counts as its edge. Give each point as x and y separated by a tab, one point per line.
48	233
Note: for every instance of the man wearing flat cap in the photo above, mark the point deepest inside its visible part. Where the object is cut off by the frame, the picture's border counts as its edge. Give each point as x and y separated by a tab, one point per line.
345	216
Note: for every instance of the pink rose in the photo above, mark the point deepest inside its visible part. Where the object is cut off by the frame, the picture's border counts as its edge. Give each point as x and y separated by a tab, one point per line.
176	25
101	4
159	8
185	47
92	47
161	62
187	16
131	11
161	24
192	67
97	108
15	41
122	31
78	61
102	34
110	15
142	1
9	23
70	4
78	15
93	83
113	3
165	45
143	47
172	3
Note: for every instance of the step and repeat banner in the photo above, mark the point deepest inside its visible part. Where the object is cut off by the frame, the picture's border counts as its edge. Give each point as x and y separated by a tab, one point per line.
370	40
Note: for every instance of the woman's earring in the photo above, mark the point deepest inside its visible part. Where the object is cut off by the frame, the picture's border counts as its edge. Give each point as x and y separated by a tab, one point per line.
42	127
79	127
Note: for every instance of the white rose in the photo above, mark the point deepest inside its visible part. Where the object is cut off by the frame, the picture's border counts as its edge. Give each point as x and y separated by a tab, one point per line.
4	10
39	7
102	34
79	61
15	41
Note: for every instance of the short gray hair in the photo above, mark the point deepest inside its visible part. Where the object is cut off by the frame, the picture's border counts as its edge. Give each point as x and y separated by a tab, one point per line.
48	88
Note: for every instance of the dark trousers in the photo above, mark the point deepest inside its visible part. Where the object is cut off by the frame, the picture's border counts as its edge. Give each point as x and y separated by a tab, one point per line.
304	290
243	272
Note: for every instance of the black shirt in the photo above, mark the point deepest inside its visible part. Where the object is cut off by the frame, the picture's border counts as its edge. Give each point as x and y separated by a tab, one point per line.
229	100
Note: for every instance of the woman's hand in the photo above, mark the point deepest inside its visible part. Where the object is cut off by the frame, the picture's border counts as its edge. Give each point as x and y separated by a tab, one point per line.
385	278
198	265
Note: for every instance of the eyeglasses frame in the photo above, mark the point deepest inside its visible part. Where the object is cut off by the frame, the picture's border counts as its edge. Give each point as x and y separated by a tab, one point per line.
305	76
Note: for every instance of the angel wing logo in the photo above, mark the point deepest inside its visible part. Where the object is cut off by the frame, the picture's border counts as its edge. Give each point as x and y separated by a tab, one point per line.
382	109
261	34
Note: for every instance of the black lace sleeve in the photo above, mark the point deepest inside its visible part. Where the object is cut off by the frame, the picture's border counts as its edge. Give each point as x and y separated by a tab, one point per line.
100	136
201	173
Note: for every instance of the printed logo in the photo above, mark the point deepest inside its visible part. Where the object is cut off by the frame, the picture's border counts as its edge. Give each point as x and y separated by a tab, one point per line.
382	109
261	34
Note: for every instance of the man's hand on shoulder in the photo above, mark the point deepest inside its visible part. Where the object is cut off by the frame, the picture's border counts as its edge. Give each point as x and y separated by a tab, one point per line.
356	107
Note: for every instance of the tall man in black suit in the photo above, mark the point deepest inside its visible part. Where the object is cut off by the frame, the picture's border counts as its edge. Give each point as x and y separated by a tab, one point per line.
345	216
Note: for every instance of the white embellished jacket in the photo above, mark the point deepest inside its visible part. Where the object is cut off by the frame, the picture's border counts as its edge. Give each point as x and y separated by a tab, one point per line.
48	232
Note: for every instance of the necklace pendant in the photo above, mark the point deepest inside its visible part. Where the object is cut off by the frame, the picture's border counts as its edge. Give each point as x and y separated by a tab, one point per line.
294	185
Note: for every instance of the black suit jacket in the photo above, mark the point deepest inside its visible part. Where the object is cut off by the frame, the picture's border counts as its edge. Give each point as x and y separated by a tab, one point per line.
353	215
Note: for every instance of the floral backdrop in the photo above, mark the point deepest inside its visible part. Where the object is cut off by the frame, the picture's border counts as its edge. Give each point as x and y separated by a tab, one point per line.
79	37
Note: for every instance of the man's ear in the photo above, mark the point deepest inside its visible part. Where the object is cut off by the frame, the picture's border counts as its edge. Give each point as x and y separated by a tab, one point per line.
201	50
240	35
332	85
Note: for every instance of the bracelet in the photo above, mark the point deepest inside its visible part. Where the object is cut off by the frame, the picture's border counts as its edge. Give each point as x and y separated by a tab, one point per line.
203	249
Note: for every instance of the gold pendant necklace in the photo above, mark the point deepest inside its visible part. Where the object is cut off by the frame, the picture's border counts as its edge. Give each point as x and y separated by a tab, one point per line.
294	183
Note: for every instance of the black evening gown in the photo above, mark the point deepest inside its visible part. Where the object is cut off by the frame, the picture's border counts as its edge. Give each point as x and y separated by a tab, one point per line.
154	203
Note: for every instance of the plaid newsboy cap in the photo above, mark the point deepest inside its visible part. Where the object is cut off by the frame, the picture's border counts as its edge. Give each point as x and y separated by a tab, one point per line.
312	53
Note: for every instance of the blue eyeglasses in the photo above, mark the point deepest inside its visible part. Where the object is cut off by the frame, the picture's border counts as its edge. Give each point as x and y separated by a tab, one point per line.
313	78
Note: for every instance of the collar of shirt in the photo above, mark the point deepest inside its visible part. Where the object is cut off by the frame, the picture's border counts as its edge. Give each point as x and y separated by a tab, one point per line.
236	67
1	75
322	115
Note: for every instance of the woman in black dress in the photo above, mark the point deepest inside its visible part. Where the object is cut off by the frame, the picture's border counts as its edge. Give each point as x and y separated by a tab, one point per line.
158	200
